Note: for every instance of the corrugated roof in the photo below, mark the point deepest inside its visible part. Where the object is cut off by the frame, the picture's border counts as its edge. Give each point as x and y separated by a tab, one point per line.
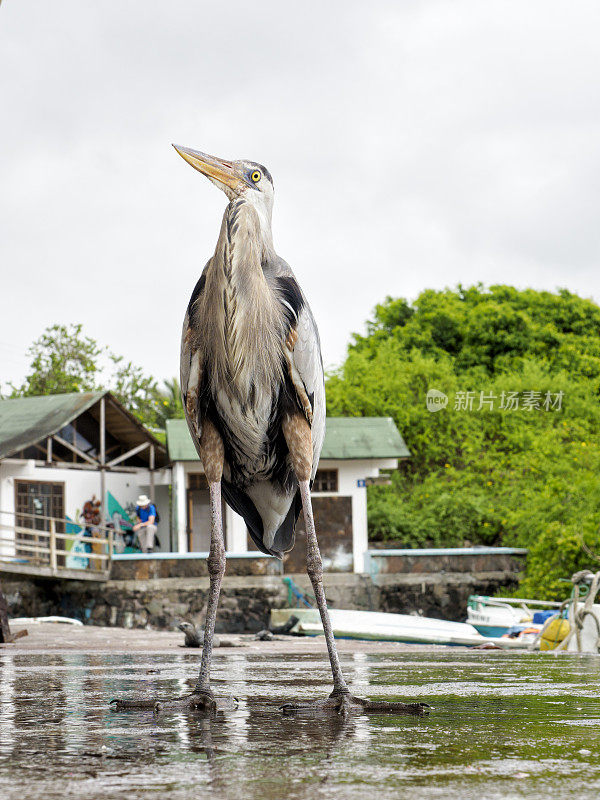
345	438
363	437
26	420
179	442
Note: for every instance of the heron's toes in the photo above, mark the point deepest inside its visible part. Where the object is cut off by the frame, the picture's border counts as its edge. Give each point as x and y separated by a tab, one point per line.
345	704
204	702
199	701
337	703
213	702
119	704
385	707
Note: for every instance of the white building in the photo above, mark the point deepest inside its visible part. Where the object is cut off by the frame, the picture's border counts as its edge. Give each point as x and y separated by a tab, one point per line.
354	452
58	451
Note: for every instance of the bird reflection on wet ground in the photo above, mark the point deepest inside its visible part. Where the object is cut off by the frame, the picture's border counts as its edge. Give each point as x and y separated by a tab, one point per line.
502	725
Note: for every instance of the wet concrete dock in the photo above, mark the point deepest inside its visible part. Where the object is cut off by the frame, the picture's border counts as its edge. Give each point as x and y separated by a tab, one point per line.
503	725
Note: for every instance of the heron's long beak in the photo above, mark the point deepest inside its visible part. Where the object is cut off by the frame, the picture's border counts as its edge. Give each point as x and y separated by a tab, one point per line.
217	168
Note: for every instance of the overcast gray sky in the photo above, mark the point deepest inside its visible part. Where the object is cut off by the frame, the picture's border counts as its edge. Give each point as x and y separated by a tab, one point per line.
412	144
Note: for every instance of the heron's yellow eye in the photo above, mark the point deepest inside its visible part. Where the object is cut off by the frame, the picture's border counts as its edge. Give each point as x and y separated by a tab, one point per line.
256	176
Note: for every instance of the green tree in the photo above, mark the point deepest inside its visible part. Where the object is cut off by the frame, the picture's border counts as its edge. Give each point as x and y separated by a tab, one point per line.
64	360
523	478
138	392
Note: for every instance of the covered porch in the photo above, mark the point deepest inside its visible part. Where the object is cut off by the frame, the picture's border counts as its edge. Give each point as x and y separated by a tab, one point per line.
58	453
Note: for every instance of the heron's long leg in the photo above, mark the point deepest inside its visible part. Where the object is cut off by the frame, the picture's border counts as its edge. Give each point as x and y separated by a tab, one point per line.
298	437
216	570
299	441
212	454
202	697
314	567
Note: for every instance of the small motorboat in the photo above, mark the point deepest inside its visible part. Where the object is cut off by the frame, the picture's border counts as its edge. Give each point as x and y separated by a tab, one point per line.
496	616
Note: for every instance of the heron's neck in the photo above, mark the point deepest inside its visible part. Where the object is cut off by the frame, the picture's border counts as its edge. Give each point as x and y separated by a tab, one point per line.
264	213
245	244
239	322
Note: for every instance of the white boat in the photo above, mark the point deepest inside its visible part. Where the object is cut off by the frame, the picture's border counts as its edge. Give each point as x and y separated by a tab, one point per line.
380	626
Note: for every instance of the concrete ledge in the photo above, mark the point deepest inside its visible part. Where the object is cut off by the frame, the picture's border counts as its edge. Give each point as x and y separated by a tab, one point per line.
200	554
141	566
449	551
11	568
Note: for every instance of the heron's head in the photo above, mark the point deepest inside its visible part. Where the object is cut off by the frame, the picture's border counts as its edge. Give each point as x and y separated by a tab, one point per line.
245	179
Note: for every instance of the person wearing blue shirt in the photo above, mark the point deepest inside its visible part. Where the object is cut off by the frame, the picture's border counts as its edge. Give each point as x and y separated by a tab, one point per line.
145	526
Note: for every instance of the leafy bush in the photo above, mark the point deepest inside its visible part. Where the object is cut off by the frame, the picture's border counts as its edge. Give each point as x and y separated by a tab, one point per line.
504	477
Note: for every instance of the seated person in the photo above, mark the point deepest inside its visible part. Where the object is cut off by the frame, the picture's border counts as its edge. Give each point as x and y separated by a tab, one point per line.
145	526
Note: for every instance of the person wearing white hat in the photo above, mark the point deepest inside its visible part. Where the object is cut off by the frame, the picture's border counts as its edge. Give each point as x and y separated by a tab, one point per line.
145	526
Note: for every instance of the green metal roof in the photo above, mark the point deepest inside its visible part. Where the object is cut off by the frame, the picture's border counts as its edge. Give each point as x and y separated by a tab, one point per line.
26	420
363	437
345	438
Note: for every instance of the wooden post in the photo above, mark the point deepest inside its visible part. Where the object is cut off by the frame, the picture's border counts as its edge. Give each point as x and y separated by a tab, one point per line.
190	520
103	496
152	473
52	541
102	461
74	456
5	634
49	450
110	549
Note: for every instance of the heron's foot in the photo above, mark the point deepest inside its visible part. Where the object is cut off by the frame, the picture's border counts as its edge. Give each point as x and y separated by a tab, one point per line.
200	700
344	703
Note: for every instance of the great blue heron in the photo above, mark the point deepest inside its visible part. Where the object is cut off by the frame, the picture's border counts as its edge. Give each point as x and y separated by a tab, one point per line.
254	399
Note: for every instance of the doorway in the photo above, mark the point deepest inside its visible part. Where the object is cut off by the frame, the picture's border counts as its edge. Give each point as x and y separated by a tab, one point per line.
198	514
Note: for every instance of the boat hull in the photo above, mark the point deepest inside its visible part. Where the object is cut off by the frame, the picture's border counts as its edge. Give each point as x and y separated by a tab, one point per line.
379	626
491	630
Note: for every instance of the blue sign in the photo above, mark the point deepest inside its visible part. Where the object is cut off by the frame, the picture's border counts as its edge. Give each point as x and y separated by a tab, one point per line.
361	483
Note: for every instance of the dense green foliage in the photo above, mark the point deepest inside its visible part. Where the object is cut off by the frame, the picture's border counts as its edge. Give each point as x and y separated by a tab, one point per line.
63	360
522	477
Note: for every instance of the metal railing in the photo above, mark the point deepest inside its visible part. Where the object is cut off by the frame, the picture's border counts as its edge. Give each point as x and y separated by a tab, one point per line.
46	548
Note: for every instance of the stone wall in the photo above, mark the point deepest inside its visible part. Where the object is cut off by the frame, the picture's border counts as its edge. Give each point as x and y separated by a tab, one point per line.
443	596
459	560
245	600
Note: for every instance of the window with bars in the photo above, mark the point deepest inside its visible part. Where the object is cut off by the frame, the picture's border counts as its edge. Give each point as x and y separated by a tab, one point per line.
326	480
36	502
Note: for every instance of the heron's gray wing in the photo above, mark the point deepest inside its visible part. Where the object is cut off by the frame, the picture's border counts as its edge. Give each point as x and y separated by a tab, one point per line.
191	367
303	348
305	369
307	375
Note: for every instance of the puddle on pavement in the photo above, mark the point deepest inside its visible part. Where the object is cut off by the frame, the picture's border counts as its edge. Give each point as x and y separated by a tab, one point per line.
503	725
